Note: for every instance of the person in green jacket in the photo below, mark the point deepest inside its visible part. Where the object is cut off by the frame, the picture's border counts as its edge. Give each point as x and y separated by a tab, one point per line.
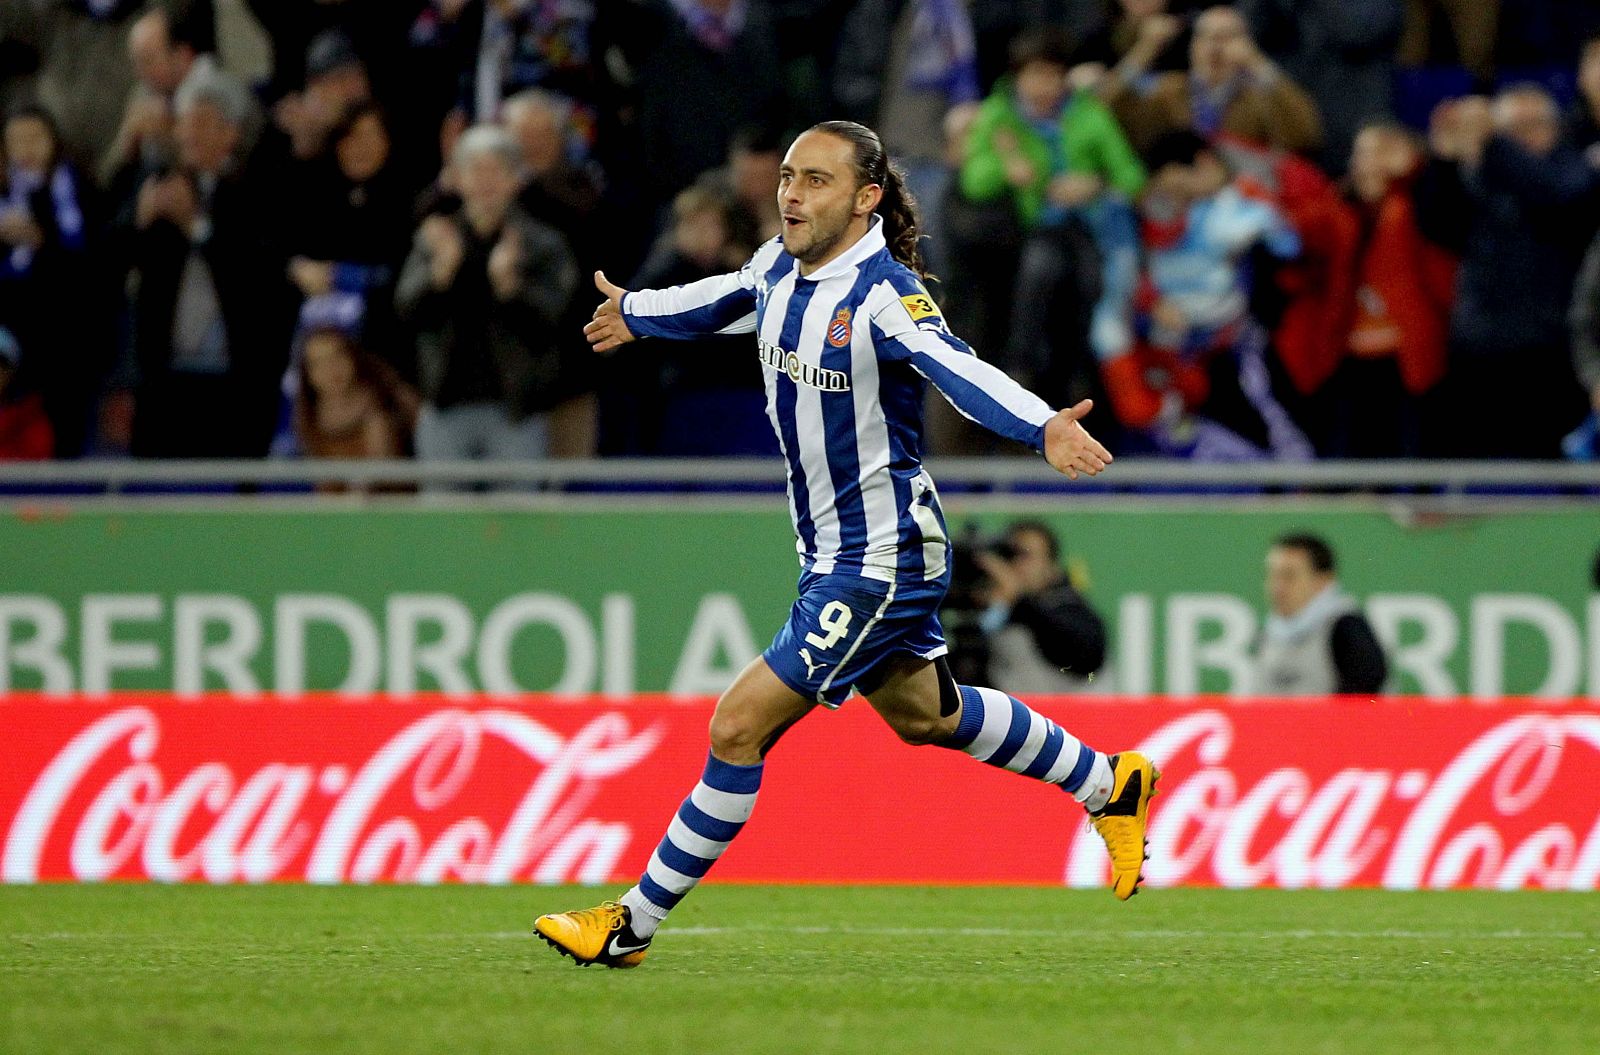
1057	153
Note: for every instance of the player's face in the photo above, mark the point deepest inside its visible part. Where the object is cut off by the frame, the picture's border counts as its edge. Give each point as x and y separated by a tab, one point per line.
1291	580
818	196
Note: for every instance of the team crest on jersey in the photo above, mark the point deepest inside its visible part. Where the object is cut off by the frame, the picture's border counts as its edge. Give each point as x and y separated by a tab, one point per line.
839	328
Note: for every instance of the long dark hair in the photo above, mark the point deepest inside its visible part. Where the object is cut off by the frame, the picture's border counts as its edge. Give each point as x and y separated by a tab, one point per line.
898	208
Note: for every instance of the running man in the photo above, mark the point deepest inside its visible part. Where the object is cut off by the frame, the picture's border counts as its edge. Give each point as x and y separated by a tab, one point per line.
849	339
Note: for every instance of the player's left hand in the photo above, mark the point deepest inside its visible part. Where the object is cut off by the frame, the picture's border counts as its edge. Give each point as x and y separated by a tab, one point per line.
1069	448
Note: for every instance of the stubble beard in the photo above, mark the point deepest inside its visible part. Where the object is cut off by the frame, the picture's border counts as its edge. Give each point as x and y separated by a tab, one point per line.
823	241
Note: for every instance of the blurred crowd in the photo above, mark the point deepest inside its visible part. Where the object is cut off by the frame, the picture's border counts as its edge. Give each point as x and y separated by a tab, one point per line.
1278	229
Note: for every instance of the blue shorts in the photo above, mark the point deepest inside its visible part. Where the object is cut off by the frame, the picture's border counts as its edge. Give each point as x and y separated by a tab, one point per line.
843	627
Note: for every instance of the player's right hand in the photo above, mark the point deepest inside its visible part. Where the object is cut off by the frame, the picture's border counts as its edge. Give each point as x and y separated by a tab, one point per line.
608	328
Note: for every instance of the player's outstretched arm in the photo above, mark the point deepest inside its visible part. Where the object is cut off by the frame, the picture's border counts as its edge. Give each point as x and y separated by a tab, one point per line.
908	326
1069	448
718	304
608	329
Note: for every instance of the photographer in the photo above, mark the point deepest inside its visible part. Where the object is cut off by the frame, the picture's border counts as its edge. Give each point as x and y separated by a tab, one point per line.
1042	634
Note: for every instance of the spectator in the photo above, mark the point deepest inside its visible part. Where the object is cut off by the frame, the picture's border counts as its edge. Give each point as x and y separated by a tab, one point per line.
1399	315
349	403
522	44
558	186
1042	635
1472	31
1583	120
1521	208
1187	371
83	73
377	31
336	82
901	66
1125	24
1341	52
212	316
687	54
751	178
25	434
562	187
163	53
1231	87
996	24
1315	641
694	398
50	295
350	227
482	290
1059	157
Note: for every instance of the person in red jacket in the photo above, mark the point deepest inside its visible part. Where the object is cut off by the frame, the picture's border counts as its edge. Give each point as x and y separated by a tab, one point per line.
25	433
1396	314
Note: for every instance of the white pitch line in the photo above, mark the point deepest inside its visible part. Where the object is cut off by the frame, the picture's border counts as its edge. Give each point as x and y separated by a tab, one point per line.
1159	934
924	932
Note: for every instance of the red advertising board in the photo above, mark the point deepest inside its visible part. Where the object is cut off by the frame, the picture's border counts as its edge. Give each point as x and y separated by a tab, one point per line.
1268	793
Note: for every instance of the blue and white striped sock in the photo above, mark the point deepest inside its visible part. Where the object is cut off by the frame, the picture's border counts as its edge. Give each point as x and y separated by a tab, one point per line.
706	823
1001	730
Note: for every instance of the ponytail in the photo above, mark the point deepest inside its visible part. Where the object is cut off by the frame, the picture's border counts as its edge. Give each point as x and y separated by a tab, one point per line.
898	207
899	211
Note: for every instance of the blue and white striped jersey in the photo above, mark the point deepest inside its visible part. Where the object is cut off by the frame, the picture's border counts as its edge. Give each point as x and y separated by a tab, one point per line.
847	353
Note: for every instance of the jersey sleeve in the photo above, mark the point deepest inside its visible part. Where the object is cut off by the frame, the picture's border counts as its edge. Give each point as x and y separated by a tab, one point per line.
719	304
907	326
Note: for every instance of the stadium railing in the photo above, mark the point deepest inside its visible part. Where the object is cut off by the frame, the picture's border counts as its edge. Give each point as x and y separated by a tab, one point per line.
732	476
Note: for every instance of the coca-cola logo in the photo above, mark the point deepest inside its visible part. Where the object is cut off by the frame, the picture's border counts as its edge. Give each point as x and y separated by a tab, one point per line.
1467	823
363	790
413	811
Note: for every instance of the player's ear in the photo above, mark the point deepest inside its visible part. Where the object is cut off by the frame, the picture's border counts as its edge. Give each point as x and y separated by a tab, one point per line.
867	199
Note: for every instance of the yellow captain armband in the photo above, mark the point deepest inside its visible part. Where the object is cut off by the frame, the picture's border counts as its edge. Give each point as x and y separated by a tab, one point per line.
921	306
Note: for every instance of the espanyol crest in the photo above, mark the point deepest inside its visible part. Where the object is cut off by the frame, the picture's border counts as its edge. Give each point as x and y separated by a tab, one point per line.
839	329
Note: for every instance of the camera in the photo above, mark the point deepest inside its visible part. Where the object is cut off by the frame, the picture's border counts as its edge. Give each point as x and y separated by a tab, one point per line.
965	602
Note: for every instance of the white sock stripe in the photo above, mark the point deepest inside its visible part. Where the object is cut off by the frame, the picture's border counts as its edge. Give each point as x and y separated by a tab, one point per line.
669	878
1066	760
1038	727
692	843
1095	790
643	906
996	722
734	809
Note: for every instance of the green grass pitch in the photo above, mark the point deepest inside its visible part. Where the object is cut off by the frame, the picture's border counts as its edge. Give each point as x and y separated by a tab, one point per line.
812	970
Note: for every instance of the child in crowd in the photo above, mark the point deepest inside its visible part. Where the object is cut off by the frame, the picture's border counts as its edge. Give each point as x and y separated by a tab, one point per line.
349	404
1187	374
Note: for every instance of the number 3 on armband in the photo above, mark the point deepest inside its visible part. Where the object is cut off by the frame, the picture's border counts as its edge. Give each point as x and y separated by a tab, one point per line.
920	307
835	619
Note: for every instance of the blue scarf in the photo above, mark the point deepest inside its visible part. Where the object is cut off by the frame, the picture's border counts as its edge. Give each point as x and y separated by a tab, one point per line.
943	56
